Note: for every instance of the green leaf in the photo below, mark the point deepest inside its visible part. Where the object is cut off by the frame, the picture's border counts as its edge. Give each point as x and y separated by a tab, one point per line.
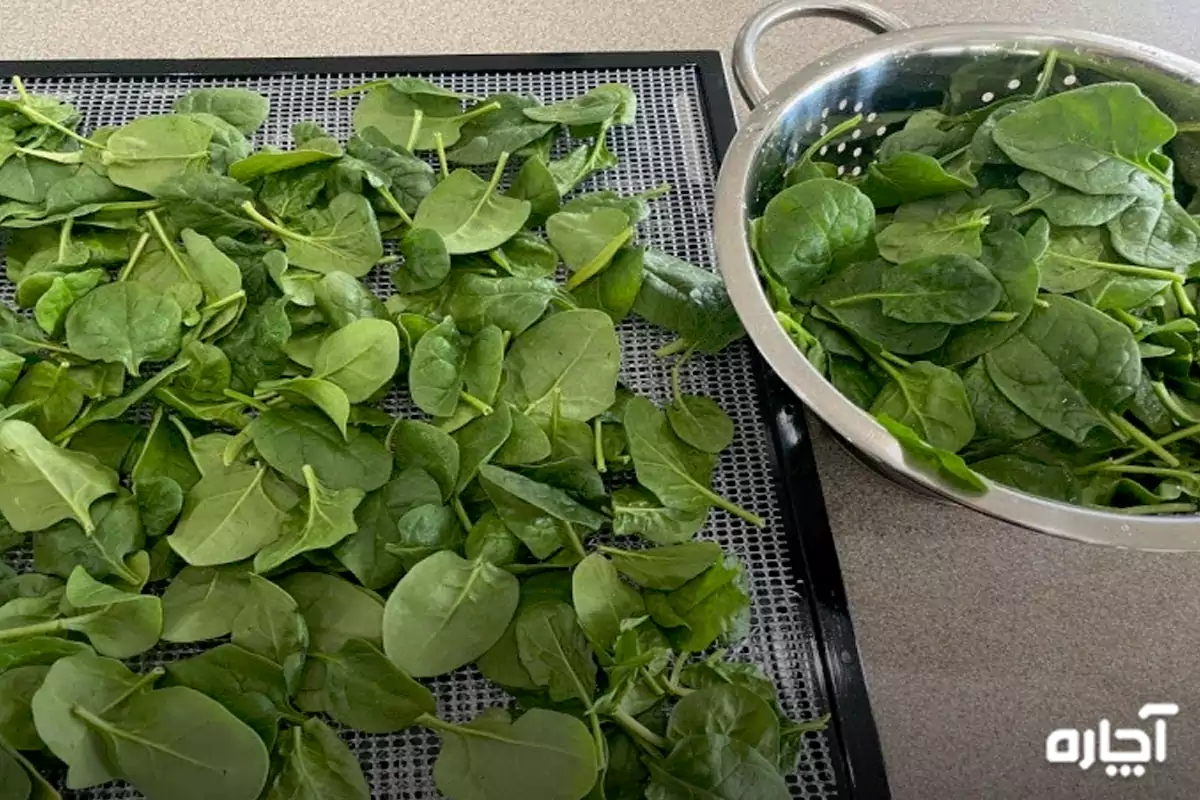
615	290
527	444
932	401
486	138
327	520
241	108
587	241
469	214
555	651
123	624
227	517
482	367
403	116
1067	365
334	611
543	754
151	152
447	612
665	568
178	743
809	227
1098	139
1066	207
548	499
251	687
103	551
271	625
906	177
688	300
424	531
535	183
915	233
727	710
46	484
419	444
636	511
342	299
365	552
367	692
435	372
361	357
267	162
700	422
89	682
426	262
289	439
511	303
124	323
325	395
946	465
16	782
17	686
569	361
602	600
317	765
1157	233
478	442
716	767
675	472
202	602
607	101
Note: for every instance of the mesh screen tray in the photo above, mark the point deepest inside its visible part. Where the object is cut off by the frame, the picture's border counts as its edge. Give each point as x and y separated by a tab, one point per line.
800	633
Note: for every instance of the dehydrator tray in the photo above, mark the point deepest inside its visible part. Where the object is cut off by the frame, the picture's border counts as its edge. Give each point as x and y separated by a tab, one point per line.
801	633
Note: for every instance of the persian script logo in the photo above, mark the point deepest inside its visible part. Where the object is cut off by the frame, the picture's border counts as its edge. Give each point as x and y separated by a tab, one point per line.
1085	748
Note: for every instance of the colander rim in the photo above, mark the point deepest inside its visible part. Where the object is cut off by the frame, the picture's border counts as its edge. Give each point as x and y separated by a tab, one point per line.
736	262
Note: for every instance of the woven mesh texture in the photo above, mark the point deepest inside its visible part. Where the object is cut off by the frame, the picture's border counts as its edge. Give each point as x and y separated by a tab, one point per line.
670	143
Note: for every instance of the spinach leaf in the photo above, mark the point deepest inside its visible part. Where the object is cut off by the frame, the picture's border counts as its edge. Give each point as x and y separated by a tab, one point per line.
555	652
950	467
808	227
446	612
636	511
124	323
327	519
176	742
665	568
202	602
688	300
484	139
541	754
251	687
676	473
151	152
316	764
360	358
365	552
435	372
1097	139
569	361
426	262
271	625
915	233
367	692
90	683
932	401
906	177
342	237
419	444
227	517
1156	233
241	108
728	710
615	290
548	499
1067	207
268	162
46	484
587	241
535	183
715	766
17	686
292	438
511	303
602	600
1068	363
469	214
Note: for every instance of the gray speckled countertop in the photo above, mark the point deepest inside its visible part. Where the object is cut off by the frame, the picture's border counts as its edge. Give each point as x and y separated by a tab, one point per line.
978	638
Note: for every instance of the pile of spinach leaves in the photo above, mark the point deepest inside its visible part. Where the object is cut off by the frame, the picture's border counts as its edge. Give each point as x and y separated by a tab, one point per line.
1010	290
193	445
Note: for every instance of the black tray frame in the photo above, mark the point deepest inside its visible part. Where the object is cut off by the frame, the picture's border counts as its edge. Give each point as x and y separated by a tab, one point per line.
857	754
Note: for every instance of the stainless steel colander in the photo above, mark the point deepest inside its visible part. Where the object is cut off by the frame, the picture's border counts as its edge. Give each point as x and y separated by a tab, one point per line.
884	79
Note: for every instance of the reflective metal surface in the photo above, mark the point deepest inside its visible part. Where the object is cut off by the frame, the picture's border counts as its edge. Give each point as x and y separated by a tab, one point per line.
884	78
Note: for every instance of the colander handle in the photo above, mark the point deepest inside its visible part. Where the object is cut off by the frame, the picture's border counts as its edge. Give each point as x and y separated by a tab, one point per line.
745	67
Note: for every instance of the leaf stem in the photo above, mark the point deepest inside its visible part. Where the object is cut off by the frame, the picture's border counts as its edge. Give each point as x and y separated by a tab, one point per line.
1162	508
1040	303
598	444
1172	405
394	205
471	113
42	119
638	730
1133	323
475	403
415	131
461	513
168	245
600	261
829	136
149	679
1135	433
1185	302
36	629
1163	472
573	540
794	329
134	256
245	398
250	211
999	316
439	144
1047	74
670	349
